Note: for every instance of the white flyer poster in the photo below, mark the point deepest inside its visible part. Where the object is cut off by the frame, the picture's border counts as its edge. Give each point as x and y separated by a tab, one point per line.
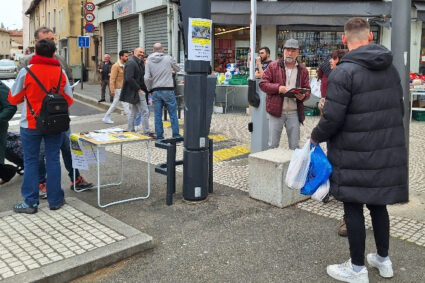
84	153
78	159
199	39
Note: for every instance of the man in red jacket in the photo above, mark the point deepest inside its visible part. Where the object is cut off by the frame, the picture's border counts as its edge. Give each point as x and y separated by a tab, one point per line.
27	91
278	79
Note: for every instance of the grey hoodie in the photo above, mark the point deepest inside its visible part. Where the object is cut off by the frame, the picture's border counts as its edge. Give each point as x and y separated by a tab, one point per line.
158	71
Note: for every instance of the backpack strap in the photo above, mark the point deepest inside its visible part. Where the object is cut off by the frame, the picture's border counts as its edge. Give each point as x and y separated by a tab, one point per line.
41	86
37	80
59	83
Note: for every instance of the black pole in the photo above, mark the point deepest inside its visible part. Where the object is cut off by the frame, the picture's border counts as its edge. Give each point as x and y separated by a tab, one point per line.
196	128
400	46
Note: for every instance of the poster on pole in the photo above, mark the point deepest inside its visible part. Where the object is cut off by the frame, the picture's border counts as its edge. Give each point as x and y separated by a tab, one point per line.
199	38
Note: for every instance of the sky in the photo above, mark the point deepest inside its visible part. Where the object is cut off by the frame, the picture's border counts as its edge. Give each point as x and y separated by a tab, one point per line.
11	13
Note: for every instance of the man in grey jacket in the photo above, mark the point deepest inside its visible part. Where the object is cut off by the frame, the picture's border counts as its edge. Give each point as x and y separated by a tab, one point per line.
159	79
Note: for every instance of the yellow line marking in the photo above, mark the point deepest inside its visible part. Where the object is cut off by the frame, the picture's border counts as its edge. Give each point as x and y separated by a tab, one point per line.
167	124
218	138
228	153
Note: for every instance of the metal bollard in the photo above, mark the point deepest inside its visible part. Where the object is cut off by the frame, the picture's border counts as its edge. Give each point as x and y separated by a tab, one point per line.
169	168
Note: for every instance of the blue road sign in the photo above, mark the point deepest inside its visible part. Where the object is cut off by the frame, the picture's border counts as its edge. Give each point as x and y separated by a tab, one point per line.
89	27
84	41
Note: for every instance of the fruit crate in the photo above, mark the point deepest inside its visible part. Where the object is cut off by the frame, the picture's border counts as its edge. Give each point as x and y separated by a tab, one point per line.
418	115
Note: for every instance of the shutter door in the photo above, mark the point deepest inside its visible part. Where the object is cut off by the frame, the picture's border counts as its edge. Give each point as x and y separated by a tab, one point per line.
130	33
110	37
156	29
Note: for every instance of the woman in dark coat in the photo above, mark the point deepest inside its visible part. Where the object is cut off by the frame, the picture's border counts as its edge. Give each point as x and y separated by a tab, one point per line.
6	113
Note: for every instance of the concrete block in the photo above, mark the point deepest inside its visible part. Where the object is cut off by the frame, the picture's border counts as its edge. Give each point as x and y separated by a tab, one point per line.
266	180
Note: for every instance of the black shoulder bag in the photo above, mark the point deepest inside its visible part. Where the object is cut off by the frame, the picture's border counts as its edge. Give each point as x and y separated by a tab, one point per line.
53	117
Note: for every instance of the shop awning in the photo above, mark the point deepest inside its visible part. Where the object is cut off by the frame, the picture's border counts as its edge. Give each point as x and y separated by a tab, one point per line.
299	12
420	7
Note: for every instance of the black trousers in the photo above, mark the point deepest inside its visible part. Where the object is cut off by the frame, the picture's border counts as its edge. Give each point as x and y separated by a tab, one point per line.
357	233
105	84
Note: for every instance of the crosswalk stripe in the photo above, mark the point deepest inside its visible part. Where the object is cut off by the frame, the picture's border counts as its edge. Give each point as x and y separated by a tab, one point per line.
231	152
218	138
167	124
220	154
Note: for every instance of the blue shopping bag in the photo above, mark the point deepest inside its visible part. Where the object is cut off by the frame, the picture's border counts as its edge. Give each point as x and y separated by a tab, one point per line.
319	171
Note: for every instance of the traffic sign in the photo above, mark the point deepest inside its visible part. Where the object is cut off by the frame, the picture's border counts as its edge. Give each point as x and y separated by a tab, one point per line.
90	6
89	27
84	41
89	17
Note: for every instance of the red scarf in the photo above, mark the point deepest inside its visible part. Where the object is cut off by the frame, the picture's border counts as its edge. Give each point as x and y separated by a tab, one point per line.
37	59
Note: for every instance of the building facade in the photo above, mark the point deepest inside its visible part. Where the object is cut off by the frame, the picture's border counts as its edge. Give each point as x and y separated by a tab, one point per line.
16	44
25	26
318	26
64	18
127	24
4	44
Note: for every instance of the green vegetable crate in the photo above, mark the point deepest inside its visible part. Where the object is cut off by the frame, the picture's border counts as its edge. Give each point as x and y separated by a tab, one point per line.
312	112
418	115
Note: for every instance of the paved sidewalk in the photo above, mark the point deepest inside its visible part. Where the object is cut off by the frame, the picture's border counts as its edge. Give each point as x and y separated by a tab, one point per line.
64	244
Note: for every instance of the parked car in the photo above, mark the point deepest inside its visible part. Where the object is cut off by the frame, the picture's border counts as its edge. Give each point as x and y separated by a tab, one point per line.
8	69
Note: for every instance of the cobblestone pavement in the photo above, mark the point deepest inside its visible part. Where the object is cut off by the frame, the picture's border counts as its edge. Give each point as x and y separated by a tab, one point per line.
400	227
30	241
233	172
232	127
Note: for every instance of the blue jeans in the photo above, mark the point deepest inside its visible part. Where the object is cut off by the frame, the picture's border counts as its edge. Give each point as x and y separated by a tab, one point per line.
165	98
66	157
31	140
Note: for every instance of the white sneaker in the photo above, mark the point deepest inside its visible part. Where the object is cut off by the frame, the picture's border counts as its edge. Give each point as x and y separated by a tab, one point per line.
107	120
345	272
385	268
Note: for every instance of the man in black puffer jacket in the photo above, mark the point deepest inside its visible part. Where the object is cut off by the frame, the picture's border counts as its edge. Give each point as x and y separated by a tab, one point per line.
363	121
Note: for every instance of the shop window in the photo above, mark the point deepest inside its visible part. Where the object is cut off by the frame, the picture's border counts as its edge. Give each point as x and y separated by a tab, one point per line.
231	45
316	43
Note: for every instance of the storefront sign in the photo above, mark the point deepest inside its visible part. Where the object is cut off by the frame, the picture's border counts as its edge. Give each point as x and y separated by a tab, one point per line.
199	37
123	8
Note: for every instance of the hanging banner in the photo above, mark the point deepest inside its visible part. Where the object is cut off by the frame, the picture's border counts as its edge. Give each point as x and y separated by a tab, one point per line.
199	39
123	8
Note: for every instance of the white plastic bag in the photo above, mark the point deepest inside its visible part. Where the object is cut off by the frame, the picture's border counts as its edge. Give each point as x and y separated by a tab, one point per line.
321	192
315	87
298	167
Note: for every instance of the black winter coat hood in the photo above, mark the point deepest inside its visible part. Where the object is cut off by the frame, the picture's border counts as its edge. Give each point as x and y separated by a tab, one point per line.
363	122
372	57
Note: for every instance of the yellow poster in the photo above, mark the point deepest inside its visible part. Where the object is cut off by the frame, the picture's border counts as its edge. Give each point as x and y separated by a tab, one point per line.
199	37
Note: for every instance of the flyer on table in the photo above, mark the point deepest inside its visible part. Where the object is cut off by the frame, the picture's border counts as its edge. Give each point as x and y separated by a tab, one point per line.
199	37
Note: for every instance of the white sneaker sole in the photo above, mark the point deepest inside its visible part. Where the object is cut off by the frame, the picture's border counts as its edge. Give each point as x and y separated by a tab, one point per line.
382	273
344	279
107	122
340	278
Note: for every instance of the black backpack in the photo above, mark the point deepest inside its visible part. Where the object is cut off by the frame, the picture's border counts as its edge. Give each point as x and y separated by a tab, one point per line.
53	117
